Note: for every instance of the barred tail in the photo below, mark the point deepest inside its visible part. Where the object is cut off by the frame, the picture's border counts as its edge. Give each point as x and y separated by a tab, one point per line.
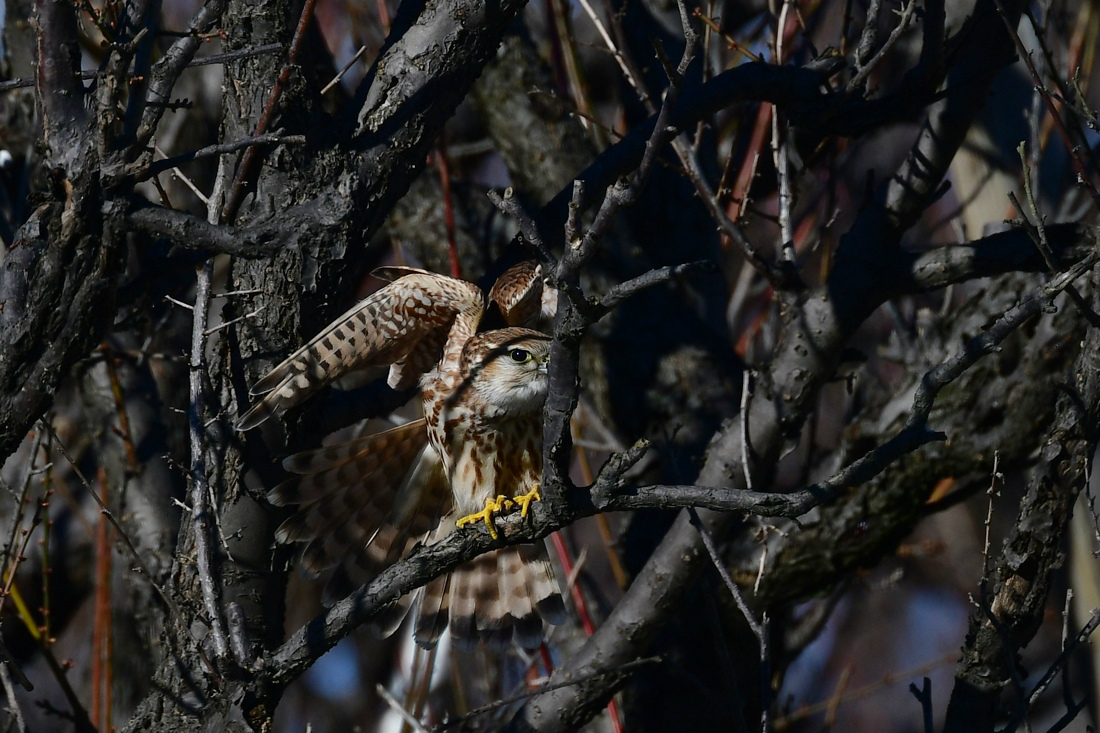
499	597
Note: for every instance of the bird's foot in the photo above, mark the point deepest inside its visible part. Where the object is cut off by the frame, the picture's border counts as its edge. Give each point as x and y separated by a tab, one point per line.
524	500
492	506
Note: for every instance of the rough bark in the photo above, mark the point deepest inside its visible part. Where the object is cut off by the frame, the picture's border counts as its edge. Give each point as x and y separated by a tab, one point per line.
299	226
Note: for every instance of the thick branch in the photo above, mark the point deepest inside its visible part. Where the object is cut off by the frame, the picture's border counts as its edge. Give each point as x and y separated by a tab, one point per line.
997	254
1032	553
191	232
64	119
200	513
813	335
305	646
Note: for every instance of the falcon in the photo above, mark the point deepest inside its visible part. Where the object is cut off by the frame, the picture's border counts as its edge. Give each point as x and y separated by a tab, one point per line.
475	453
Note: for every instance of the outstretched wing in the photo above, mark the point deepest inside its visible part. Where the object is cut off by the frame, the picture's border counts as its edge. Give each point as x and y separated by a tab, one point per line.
404	325
362	504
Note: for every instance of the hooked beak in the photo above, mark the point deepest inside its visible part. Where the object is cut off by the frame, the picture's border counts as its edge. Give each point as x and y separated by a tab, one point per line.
542	366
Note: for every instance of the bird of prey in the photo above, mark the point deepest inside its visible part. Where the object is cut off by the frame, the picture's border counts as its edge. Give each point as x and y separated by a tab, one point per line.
476	452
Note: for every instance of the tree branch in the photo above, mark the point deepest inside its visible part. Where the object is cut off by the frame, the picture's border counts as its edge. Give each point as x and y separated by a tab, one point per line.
814	330
1032	553
273	138
64	118
191	232
167	70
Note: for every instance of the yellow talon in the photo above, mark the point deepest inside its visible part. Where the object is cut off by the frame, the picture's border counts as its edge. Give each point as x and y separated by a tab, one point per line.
492	506
524	500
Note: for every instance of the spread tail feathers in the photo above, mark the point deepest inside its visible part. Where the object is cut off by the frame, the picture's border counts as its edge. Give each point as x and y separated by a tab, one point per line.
498	597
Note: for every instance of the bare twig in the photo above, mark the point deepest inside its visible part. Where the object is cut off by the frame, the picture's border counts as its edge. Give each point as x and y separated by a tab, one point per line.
1084	178
200	515
765	672
274	138
1038	234
244	170
170	605
781	154
234	321
395	705
511	206
13	704
724	573
167	70
12	554
783	277
575	680
906	17
991	492
804	712
347	67
1063	659
621	292
924	697
746	441
619	59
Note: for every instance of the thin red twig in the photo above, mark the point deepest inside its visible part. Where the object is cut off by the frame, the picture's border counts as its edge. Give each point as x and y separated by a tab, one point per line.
444	169
1052	110
101	623
582	613
740	191
236	191
120	407
547	662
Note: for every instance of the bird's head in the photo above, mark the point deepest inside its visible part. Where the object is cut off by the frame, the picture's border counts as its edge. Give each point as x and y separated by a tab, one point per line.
507	369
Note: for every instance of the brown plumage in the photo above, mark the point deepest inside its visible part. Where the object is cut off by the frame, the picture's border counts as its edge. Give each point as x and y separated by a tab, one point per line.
365	502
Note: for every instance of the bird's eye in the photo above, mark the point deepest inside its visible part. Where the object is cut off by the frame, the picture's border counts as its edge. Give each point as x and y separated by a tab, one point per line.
520	356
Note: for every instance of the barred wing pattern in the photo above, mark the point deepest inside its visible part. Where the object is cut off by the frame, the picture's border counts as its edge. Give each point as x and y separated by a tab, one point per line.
364	503
522	298
361	503
397	326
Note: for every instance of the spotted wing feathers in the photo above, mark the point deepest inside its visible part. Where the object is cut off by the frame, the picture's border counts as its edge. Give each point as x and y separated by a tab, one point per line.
404	323
362	504
522	298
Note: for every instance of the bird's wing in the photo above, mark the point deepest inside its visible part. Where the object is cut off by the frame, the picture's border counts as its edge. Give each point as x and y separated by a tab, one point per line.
363	504
403	325
521	296
393	273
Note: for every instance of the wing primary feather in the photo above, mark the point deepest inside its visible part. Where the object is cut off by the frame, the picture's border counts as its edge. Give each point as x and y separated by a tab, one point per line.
405	317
